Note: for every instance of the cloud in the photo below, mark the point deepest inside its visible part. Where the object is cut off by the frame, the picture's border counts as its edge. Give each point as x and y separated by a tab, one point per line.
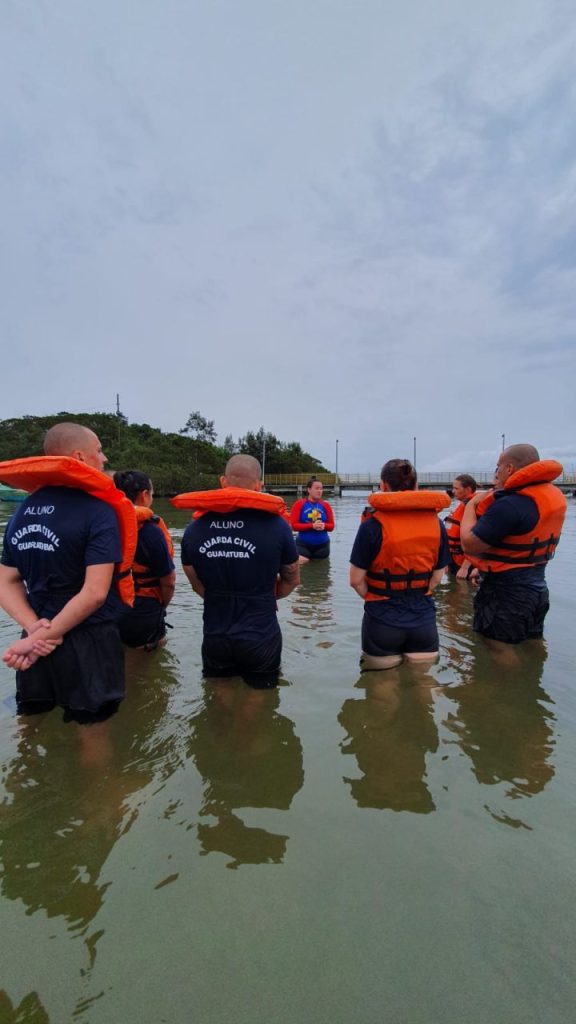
361	230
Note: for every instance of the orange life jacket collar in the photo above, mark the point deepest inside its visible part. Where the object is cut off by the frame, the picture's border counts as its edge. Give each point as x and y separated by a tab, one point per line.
61	471
402	501
542	472
230	499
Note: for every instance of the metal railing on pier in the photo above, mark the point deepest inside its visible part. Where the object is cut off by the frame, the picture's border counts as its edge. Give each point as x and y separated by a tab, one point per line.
370	481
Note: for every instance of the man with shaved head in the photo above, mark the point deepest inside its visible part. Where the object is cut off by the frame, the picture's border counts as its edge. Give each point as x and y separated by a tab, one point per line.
240	561
57	564
509	536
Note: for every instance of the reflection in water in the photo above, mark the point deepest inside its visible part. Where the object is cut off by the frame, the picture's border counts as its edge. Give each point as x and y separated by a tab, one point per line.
503	721
311	604
389	733
70	796
248	756
29	1011
455	611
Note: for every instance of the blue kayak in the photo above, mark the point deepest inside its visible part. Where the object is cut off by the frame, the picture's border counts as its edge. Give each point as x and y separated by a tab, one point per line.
11	494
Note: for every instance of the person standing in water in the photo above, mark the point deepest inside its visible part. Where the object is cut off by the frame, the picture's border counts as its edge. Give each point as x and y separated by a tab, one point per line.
239	556
463	487
398	557
313	520
60	559
509	535
144	625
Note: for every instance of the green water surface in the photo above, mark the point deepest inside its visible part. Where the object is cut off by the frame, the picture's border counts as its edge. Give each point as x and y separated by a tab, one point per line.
397	847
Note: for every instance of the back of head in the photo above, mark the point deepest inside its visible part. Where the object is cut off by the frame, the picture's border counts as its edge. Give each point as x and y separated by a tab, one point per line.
132	482
467	481
242	471
66	438
399	474
521	455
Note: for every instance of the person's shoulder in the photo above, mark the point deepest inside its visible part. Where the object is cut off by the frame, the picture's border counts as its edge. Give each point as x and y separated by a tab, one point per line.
194	526
96	509
513	504
73	498
511	499
369	535
151	533
371	527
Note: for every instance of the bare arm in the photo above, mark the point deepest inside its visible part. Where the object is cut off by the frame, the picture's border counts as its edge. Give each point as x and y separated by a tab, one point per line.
436	578
45	635
358	581
167	587
471	544
462	573
94	592
196	584
14	599
288	579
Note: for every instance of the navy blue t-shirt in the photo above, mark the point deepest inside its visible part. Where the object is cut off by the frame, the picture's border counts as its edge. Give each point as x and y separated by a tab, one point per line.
52	537
405	609
237	556
510	515
152	551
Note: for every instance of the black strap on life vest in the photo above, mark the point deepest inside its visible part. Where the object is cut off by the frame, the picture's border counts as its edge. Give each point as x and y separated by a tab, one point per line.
536	552
413	581
450	519
144	579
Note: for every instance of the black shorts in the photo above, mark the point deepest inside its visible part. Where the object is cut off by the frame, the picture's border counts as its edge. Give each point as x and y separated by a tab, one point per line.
256	661
313	550
380	639
143	627
510	613
84	675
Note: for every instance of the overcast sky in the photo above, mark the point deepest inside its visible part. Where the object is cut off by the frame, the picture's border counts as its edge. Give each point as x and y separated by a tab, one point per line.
346	219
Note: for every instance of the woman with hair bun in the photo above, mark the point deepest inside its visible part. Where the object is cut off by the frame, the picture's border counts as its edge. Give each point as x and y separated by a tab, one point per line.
144	626
312	519
398	557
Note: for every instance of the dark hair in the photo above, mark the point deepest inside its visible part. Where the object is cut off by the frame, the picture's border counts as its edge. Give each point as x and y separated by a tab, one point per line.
399	474
312	480
467	481
132	482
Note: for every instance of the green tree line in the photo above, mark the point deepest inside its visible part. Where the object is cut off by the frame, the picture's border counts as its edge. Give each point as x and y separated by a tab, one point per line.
175	462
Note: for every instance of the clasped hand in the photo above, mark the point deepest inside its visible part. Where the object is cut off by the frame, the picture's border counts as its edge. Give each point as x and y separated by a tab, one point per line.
23	653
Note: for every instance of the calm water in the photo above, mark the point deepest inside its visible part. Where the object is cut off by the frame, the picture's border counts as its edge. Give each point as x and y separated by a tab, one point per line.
394	848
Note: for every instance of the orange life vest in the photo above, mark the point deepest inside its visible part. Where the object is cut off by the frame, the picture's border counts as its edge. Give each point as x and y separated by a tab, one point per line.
230	499
452	523
61	471
524	551
410	541
146	584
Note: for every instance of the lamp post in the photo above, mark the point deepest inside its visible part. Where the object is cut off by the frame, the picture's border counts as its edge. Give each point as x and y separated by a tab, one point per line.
503	441
263	459
414	460
336	488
